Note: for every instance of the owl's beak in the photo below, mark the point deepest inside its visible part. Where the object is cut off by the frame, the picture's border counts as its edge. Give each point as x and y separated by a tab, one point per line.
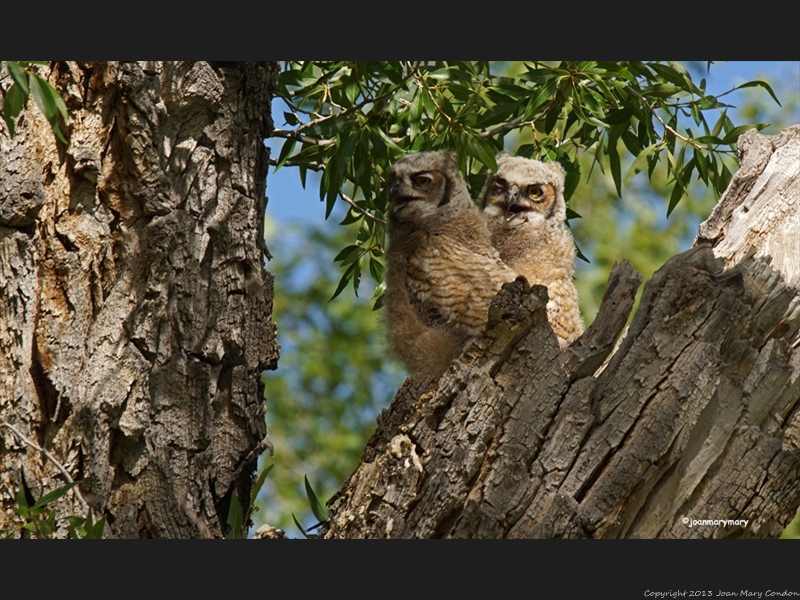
513	205
397	195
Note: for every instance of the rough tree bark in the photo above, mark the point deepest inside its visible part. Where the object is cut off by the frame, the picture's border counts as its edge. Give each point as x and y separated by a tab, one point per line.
694	414
135	310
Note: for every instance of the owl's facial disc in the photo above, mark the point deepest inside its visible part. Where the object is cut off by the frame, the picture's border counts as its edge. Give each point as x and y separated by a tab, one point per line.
424	186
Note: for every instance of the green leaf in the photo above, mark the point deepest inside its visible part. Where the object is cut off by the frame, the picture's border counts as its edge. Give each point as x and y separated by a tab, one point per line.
75	527
348	274
663	90
14	101
316	507
376	269
300	527
49	102
352	90
291	119
96	531
427	102
541	97
389	142
640	162
55	494
18	75
481	149
571	179
571	214
675	196
32	527
48	99
762	84
702	165
349	254
379	296
235	518
259	484
681	182
89	523
356	276
22	501
708	139
582	115
497	114
286	151
723	180
332	182
352	216
346	149
733	135
613	156
695	113
303	170
57	131
619	117
631	142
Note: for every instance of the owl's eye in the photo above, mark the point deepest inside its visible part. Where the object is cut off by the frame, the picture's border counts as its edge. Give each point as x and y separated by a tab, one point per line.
422	181
534	192
499	186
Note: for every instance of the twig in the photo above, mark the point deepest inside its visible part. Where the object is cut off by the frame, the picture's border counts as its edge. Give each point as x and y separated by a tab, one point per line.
51	458
354	108
292	163
364	212
508	126
296	108
688	141
293	135
421	84
345	197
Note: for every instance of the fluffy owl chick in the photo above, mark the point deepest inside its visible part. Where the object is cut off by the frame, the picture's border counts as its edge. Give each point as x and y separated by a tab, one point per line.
525	209
441	269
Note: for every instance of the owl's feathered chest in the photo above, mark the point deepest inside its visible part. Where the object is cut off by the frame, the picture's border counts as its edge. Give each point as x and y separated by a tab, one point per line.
540	253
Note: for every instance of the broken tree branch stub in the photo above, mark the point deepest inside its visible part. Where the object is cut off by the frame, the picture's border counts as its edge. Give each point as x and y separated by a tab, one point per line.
693	416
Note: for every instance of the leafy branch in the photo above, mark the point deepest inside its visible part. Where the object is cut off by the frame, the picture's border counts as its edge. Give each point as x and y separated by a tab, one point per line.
350	121
26	82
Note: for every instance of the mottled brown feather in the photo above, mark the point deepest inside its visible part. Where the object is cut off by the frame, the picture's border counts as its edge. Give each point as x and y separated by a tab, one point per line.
442	271
531	236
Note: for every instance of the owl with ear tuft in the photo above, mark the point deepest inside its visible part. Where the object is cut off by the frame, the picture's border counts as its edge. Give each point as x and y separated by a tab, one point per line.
441	269
524	206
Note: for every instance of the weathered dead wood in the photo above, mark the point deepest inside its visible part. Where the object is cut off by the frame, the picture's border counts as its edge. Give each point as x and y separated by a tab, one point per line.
135	310
695	415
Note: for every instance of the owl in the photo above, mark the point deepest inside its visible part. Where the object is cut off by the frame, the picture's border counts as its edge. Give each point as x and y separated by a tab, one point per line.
441	269
524	206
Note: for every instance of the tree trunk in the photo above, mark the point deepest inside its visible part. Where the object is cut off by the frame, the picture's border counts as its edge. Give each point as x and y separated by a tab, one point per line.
135	313
693	415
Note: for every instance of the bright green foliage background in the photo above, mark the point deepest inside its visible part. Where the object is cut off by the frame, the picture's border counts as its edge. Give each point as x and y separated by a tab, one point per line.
351	121
333	376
